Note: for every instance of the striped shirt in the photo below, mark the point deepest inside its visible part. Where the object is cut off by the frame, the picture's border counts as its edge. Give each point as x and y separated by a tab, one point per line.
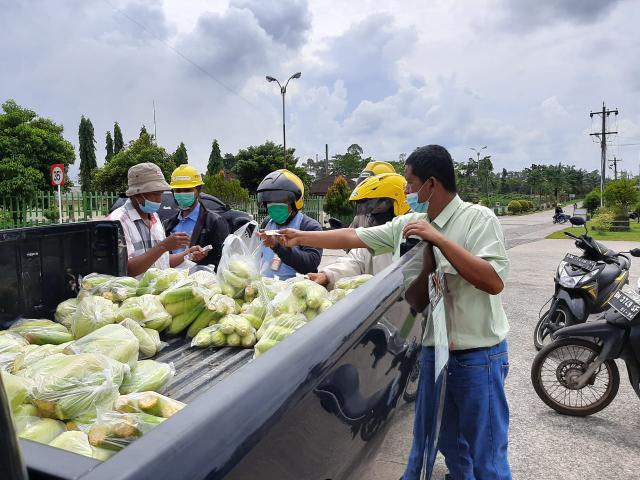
139	236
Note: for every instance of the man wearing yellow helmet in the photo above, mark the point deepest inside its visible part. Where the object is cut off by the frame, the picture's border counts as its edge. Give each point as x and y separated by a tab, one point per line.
282	193
203	226
378	200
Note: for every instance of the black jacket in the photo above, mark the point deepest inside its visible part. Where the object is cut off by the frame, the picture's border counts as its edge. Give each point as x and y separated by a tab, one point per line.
302	259
211	229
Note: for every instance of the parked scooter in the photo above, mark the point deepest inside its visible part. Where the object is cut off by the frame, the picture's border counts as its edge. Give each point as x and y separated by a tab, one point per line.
575	376
584	284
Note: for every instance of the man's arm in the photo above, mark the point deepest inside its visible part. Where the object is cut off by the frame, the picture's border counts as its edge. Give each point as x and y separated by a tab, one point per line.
417	295
139	264
345	238
303	259
475	270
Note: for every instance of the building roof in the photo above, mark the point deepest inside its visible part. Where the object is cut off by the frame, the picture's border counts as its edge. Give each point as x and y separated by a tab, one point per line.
321	185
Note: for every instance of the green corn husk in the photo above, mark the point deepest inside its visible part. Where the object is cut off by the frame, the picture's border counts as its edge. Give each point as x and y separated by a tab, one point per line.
65	311
336	295
34	353
148	375
205	278
182	321
222	304
156	281
73	441
74	386
234	280
114	341
114	430
234	340
43	430
240	267
186	306
152	403
210	336
349	283
16	388
95	282
148	339
177	295
120	288
147	310
313	293
276	330
11	344
91	314
236	324
310	313
324	306
263	346
248	341
202	320
42	331
101	454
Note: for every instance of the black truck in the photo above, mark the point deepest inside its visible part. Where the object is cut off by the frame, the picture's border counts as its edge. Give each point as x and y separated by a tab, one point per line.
316	406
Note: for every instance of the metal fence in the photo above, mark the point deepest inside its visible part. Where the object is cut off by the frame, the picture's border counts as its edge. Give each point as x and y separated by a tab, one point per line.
42	209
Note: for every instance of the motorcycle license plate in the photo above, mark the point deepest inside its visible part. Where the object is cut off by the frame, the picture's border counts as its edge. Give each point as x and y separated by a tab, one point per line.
626	302
580	262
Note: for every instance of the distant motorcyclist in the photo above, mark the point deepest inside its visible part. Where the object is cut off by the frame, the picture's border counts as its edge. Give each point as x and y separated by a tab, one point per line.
559	212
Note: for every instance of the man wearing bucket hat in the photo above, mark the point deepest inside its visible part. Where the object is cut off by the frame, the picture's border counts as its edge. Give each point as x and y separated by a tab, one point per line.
204	226
147	244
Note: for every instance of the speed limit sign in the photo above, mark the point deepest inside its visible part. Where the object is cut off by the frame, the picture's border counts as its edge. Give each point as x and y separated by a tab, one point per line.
57	174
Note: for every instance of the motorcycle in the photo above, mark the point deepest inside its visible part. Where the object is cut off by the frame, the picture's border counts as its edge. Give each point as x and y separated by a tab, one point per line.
561	218
576	376
583	284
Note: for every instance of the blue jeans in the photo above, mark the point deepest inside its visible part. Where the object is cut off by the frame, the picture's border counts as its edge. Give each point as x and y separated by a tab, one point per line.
475	422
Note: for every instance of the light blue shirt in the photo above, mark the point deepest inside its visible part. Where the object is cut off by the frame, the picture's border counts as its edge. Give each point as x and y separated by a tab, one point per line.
186	225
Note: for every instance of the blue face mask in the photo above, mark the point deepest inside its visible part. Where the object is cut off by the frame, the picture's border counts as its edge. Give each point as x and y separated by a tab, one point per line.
149	206
415	204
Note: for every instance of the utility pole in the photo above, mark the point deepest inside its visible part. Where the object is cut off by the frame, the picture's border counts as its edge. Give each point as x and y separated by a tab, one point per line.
155	130
604	113
615	162
326	159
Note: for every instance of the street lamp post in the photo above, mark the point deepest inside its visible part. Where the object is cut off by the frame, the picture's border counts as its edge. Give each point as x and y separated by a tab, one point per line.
283	91
487	179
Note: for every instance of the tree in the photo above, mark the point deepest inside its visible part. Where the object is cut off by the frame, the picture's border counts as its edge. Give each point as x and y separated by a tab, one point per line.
350	163
555	175
113	176
620	195
87	149
229	161
315	168
229	191
592	201
143	131
118	142
29	144
256	162
216	163
503	181
108	147
180	156
336	202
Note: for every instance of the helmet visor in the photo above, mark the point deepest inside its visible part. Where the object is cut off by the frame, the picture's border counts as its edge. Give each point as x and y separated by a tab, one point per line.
373	211
363	176
276	196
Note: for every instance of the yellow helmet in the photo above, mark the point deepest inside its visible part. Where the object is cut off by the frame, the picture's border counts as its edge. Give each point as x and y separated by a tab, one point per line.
185	176
375	168
282	186
386	185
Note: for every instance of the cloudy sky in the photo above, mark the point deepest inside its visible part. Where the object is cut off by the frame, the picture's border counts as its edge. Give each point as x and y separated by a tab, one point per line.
515	75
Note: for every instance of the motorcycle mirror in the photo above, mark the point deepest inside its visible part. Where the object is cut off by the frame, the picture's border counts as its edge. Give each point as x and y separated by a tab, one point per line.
635	252
577	221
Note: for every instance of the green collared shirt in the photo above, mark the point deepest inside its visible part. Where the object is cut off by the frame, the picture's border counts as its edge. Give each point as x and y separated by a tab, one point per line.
474	318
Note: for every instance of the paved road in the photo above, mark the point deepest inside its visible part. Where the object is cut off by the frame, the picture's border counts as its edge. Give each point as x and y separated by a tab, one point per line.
543	444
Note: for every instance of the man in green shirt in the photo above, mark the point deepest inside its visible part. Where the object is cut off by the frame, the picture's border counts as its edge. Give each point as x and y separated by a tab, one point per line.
469	249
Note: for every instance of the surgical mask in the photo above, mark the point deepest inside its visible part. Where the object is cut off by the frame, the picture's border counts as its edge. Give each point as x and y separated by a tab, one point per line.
279	212
185	200
416	205
149	206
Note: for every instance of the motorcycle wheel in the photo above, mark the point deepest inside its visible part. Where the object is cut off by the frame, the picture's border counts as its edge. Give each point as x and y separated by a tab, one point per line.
557	366
411	388
562	220
542	333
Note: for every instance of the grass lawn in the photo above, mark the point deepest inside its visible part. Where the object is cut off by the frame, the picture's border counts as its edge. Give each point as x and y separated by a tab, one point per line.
631	236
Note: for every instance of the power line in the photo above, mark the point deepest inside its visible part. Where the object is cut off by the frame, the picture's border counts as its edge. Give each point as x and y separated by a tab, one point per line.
179	53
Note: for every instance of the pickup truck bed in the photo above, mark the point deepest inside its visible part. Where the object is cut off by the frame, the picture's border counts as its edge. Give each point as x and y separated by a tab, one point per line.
197	369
